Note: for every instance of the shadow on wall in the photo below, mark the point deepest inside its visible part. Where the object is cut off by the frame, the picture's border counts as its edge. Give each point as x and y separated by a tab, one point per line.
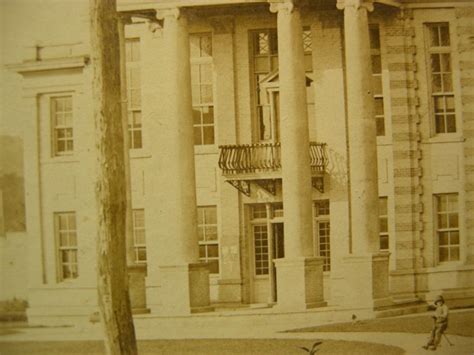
12	183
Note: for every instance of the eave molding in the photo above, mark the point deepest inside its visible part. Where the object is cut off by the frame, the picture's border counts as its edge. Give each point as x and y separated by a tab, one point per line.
29	67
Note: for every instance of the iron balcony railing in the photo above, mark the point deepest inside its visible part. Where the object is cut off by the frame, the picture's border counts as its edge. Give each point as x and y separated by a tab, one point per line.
264	157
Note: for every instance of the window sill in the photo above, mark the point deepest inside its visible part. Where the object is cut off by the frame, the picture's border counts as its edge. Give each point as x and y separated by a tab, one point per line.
450	266
384	140
206	149
139	153
445	138
60	159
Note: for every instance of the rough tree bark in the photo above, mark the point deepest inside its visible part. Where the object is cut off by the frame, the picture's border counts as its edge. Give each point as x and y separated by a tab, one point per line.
112	277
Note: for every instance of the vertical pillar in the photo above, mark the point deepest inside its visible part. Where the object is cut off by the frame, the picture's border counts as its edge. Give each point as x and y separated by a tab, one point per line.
366	270
299	275
184	281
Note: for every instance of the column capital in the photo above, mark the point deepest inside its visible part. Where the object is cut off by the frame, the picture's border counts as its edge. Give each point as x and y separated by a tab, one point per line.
357	4
175	12
281	5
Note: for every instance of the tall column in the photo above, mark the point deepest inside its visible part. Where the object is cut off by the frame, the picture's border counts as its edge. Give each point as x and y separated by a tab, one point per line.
366	270
184	281
299	275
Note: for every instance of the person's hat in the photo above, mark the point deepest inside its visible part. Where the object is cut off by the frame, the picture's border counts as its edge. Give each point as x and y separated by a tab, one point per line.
439	299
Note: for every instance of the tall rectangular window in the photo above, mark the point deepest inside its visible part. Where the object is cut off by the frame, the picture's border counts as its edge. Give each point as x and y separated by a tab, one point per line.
377	83
62	123
440	69
202	88
383	224
264	59
132	59
208	238
447	226
66	236
323	232
139	241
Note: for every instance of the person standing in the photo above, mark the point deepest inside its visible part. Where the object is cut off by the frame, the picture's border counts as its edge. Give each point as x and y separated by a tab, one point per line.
440	319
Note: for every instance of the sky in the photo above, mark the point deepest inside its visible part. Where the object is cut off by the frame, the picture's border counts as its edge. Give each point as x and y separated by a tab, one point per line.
24	23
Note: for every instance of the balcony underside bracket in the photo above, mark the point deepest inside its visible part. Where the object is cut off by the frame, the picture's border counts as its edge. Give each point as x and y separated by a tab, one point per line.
268	185
241	185
318	183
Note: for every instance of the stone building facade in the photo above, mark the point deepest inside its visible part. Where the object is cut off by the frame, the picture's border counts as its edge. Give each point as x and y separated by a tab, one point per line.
327	146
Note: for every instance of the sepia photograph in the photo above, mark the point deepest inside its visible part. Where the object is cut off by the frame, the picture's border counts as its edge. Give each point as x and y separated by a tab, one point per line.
236	177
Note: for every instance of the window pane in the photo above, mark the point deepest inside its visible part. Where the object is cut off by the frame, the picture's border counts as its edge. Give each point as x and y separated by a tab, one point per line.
194	46
447	83
214	266
439	103
202	251
197	115
206	46
446	62
444	238
208	114
444	34
212	251
436	82
208	135
197	136
435	63
374	37
380	125
434	36
377	84
454	238
454	253
63	239
73	239
453	220
211	233
141	254
443	254
137	139
262	64
210	214
200	233
440	126
273	42
261	43
376	64
379	106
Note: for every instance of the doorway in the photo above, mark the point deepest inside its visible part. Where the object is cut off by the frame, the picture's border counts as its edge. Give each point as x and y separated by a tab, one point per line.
278	252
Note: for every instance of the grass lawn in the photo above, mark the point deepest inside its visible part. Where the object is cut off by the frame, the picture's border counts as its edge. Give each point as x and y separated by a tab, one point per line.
460	323
202	346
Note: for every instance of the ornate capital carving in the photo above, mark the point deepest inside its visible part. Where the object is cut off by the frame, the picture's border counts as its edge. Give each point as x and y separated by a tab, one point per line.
357	4
222	24
281	5
175	12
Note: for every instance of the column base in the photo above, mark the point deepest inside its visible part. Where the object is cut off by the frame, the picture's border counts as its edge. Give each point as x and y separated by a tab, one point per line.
137	290
184	289
299	283
366	281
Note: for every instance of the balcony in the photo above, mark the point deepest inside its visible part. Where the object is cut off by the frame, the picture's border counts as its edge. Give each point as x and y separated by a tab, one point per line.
261	163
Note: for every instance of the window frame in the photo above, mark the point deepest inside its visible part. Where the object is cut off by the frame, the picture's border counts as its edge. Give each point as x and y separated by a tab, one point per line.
437	230
139	246
317	220
131	65
385	234
212	242
203	61
53	124
431	94
59	248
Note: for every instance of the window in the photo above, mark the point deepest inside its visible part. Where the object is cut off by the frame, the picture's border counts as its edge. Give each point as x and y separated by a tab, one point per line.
62	122
202	88
383	224
208	239
260	235
376	58
323	231
442	94
66	236
139	244
264	45
132	59
447	227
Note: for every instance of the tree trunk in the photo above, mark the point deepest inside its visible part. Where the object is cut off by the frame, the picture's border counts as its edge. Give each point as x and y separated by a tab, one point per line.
112	277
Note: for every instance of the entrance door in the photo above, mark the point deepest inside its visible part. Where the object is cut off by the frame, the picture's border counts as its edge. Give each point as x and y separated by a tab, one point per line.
278	252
